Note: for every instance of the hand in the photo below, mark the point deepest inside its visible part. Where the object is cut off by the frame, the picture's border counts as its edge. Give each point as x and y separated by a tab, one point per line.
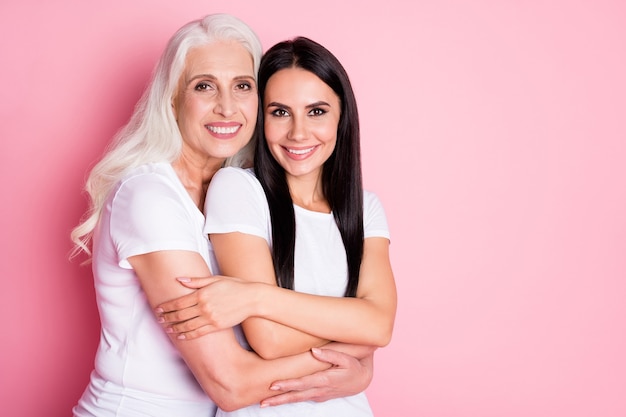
218	303
348	376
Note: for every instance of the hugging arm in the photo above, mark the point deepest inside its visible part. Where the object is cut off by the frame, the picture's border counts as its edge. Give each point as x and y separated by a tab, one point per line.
248	257
348	376
230	375
274	315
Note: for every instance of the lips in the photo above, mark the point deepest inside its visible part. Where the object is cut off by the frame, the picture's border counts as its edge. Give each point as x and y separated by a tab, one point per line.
302	151
224	130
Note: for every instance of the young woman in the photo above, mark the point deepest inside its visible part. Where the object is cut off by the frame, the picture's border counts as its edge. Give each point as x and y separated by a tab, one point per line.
302	223
145	224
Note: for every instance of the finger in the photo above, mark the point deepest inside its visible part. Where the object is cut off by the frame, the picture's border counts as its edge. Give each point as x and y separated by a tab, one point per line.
176	304
197	282
291	397
333	357
196	333
308	382
187	326
178	316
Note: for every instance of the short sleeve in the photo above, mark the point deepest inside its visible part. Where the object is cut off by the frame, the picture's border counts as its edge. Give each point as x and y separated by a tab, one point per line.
148	215
374	219
236	202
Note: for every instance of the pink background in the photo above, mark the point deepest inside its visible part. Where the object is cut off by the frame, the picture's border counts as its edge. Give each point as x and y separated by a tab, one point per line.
493	131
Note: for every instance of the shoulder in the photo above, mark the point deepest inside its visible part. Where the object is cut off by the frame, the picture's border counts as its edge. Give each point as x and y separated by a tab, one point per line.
153	173
150	185
235	201
371	200
235	180
235	174
374	218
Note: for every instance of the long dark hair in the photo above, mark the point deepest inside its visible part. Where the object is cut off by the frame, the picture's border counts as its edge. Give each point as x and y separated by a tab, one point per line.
341	174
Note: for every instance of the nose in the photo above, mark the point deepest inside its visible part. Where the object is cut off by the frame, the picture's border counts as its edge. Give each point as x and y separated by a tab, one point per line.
225	105
298	129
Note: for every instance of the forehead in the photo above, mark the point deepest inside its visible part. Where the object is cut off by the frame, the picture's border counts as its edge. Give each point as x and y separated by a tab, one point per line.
219	58
291	83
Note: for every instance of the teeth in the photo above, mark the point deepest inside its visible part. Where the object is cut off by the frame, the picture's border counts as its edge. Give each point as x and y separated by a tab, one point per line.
223	130
300	151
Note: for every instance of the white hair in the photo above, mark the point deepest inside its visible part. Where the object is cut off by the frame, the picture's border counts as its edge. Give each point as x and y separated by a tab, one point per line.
152	134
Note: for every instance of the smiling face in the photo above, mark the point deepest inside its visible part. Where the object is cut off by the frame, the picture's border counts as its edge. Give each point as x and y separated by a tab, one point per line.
216	103
301	119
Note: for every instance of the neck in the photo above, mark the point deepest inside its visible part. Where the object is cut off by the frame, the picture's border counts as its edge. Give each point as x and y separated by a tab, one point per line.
308	193
196	177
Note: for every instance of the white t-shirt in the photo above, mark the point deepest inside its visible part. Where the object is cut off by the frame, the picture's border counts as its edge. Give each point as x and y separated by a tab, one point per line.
138	371
236	203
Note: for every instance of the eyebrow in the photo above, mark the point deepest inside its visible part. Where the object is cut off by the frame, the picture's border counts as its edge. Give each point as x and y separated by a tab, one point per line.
213	77
308	106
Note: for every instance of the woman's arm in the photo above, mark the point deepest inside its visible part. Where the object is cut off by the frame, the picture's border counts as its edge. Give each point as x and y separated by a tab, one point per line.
230	375
248	257
348	376
366	319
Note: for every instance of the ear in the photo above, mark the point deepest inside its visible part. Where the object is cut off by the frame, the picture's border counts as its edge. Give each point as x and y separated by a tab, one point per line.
174	108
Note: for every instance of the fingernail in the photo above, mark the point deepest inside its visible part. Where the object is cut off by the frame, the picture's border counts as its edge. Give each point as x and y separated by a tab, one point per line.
160	320
275	387
263	405
316	351
158	310
183	279
181	337
169	330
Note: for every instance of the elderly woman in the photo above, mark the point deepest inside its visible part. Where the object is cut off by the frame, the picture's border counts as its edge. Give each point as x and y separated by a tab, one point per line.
145	225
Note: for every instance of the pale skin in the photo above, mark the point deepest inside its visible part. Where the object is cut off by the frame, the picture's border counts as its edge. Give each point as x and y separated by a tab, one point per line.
216	107
301	115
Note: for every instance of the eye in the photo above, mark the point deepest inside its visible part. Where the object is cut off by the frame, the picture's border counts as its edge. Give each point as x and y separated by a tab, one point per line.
244	86
317	112
280	112
203	86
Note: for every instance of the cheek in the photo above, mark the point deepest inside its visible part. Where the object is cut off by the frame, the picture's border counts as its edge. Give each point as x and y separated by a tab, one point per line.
328	132
334	129
188	108
249	108
273	135
272	132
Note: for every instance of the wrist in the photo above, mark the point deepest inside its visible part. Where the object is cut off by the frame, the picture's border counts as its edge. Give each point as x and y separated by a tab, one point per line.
260	298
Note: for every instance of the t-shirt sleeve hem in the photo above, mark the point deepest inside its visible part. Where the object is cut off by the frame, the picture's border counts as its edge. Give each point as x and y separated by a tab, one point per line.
161	246
235	228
